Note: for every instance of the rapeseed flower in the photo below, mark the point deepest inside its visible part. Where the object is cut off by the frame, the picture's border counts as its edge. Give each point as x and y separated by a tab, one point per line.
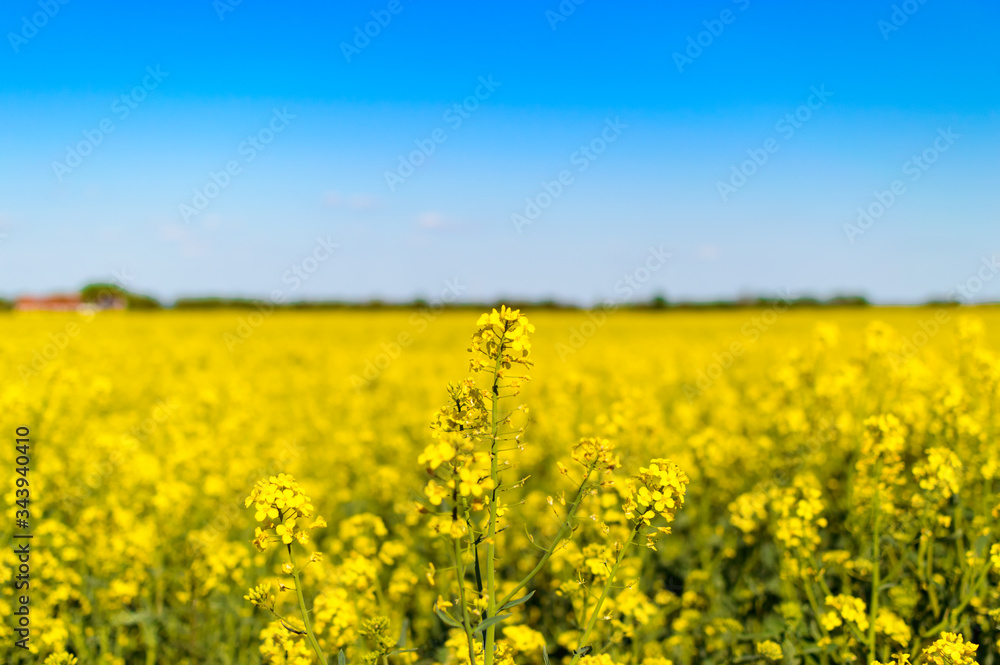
770	650
950	649
283	509
656	491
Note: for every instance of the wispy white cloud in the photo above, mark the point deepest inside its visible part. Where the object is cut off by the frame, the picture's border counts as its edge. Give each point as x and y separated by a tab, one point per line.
431	220
334	199
708	252
188	244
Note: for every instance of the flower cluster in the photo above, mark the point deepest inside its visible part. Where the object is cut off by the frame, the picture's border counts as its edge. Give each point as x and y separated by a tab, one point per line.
657	491
748	512
466	414
260	596
770	650
891	625
950	649
596	453
468	478
501	340
376	630
845	608
282	508
880	465
61	659
799	516
940	474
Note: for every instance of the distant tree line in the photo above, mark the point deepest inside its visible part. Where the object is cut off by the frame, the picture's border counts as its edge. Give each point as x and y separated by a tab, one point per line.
108	295
655	303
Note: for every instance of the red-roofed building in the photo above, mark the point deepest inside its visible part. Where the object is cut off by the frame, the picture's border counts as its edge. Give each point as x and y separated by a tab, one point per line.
54	303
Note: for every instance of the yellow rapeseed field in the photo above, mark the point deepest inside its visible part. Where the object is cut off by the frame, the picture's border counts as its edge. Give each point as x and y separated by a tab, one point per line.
605	488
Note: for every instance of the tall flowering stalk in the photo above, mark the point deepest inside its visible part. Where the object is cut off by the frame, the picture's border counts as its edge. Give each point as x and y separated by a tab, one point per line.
657	492
879	473
283	511
499	344
465	488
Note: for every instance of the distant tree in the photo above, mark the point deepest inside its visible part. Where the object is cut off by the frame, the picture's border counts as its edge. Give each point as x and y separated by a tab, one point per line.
105	295
848	301
138	301
806	301
659	301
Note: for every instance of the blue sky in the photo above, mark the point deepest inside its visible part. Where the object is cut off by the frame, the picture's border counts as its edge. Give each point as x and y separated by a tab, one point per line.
646	110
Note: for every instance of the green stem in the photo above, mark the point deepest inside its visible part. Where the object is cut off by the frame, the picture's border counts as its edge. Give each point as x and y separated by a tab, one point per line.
929	575
811	597
637	626
604	595
491	601
305	613
379	595
876	564
466	623
560	536
950	615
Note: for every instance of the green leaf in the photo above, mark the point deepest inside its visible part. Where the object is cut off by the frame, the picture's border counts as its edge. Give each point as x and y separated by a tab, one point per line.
292	629
126	618
341	658
446	618
515	603
489	622
479	574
